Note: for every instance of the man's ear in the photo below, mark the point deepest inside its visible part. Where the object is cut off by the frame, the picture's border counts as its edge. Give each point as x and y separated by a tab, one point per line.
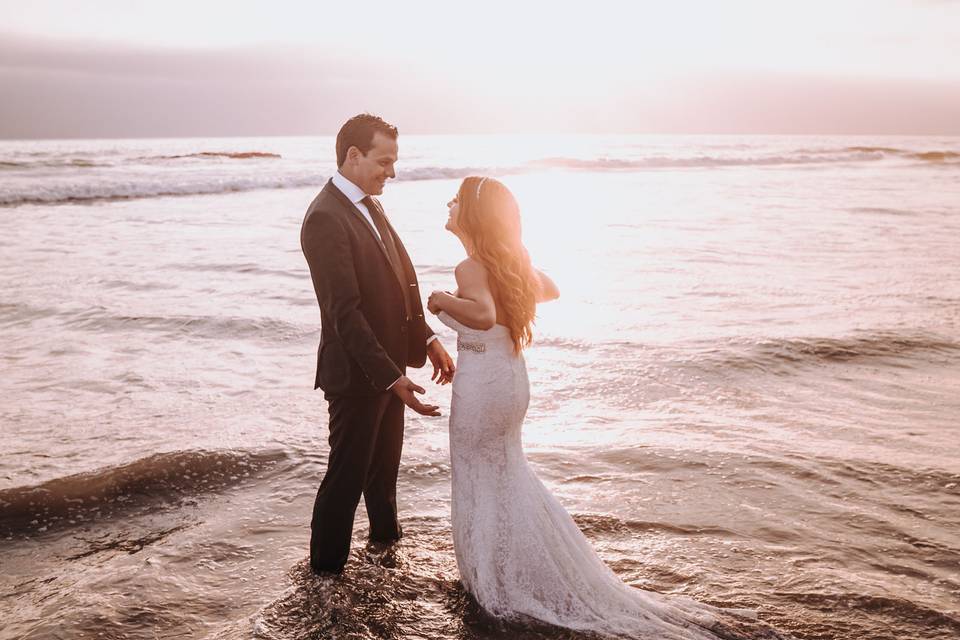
353	154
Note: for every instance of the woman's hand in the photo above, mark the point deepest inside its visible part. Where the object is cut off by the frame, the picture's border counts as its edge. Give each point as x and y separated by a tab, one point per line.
435	301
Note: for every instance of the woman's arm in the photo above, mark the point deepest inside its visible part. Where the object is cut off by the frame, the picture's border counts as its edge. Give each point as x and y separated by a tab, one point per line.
473	305
547	289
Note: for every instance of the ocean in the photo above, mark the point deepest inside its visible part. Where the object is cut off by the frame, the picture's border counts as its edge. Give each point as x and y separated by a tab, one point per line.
748	391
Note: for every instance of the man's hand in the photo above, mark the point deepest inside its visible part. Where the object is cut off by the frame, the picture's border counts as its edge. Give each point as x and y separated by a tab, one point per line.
405	388
443	367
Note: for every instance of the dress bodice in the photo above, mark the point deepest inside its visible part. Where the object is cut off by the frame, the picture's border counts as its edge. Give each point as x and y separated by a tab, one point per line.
496	338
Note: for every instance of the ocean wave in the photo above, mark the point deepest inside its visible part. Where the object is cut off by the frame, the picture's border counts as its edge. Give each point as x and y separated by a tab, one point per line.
775	354
703	161
14	313
850	474
160	477
126	189
905	615
216	327
772	352
230	155
779	355
63	178
138	187
882	211
144	188
54	163
45	160
41	160
605	525
121	188
245	268
928	156
936	156
875	149
452	173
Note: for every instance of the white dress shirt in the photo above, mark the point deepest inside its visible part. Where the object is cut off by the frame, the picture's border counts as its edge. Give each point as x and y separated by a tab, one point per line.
356	195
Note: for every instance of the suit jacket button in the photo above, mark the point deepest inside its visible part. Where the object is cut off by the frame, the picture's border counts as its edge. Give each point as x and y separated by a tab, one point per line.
403	328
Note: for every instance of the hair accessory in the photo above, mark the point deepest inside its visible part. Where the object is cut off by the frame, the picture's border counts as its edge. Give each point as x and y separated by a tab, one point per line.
479	186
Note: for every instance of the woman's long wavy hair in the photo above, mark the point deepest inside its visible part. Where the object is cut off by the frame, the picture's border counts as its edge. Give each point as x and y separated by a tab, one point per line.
490	217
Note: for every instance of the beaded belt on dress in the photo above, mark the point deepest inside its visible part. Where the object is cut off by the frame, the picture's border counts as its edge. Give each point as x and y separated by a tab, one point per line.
463	345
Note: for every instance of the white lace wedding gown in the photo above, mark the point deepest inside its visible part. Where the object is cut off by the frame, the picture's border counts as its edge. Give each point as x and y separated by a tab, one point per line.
519	552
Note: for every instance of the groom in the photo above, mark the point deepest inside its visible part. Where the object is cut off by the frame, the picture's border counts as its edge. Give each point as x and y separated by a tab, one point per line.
372	328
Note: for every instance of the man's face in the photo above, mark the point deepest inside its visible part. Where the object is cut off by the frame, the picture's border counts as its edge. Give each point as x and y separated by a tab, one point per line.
373	169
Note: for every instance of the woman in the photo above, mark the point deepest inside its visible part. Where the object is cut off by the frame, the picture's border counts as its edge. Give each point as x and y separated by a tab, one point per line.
520	554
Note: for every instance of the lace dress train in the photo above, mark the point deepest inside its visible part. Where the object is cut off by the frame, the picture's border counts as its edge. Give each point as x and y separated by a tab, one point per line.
520	554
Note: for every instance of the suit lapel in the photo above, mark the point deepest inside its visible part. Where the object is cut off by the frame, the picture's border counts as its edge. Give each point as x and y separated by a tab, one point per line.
352	208
409	273
401	250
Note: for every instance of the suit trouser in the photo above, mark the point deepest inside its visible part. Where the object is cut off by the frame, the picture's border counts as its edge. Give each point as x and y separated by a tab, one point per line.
366	438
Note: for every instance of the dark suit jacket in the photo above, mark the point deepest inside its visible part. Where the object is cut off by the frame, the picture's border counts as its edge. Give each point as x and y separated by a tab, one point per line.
366	341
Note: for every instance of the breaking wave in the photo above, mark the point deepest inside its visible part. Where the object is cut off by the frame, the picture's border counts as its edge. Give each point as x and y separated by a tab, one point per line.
798	351
140	187
230	155
67	178
157	478
215	327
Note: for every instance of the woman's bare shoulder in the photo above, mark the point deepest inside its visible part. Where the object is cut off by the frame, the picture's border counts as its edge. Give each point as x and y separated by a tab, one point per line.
471	270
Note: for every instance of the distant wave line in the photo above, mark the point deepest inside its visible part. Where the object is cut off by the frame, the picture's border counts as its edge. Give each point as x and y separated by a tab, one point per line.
233	155
60	161
930	156
116	185
69	162
697	162
123	189
89	193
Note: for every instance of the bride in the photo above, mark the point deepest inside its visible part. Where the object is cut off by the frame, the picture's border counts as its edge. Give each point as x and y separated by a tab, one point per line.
520	554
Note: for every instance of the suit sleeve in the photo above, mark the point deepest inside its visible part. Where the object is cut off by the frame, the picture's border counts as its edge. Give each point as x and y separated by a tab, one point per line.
327	248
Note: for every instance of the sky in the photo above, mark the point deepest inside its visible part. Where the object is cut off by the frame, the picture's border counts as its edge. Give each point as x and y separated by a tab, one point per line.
136	68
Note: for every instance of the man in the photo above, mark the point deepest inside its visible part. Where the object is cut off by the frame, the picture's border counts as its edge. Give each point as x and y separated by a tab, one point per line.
372	328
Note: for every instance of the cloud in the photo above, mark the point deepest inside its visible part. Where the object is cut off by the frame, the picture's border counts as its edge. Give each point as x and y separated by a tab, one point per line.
75	89
83	89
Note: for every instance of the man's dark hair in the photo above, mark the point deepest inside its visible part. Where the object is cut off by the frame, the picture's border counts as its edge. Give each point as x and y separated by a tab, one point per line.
358	132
